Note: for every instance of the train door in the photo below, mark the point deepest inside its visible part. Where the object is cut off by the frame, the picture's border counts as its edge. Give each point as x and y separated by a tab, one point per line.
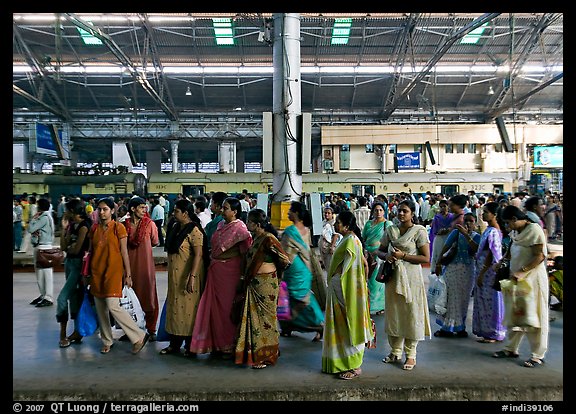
361	189
193	190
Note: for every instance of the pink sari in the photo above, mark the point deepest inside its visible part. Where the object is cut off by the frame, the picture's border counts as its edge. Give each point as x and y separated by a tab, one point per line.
214	329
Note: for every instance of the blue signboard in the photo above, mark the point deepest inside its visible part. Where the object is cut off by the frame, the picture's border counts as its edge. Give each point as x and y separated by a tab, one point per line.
44	142
408	160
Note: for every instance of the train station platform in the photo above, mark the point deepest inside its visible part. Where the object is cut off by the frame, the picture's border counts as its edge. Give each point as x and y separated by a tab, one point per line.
448	369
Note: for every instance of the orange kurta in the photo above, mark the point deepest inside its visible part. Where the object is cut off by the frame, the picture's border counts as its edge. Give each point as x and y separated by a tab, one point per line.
106	264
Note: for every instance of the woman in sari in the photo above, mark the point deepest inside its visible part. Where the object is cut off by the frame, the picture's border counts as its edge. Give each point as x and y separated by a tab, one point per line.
329	238
459	276
307	315
488	311
371	234
142	236
187	248
407	320
348	324
439	230
258	336
214	330
528	254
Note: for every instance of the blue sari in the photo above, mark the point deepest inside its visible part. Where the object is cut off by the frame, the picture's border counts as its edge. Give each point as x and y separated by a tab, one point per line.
307	315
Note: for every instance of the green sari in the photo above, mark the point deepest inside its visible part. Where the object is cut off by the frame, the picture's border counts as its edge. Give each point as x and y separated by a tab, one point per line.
372	233
307	315
348	324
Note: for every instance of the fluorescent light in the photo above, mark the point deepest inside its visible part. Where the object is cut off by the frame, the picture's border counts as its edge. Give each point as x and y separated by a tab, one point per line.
188	91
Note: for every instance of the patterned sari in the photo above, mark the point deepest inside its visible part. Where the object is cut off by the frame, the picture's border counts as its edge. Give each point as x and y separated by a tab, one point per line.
488	314
258	331
307	315
348	324
214	329
372	233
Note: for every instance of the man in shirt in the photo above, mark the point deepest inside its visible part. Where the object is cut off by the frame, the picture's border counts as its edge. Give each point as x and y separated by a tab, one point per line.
157	217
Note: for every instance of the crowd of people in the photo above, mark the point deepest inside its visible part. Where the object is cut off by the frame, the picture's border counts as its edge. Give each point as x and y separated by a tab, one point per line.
226	263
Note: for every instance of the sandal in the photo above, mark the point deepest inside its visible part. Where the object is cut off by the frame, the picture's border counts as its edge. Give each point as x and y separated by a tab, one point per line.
259	366
137	347
505	354
533	363
75	338
486	340
391	359
105	349
443	334
317	338
351	374
407	366
380	312
64	343
286	333
169	350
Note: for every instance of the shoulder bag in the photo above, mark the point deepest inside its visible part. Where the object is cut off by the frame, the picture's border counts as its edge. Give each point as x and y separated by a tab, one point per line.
46	258
385	272
503	272
450	254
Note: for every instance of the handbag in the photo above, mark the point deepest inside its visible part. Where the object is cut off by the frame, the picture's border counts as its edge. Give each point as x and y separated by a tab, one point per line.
46	258
450	254
503	272
283	308
86	320
85	264
385	272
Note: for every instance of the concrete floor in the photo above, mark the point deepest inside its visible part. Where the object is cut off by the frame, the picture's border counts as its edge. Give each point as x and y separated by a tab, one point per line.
447	370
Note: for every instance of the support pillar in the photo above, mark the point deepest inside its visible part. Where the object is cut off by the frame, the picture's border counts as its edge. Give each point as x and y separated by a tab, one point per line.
286	97
174	155
227	157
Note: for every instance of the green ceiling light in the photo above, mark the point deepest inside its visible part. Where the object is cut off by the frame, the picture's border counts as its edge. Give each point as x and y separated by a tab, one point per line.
341	31
87	38
474	36
223	31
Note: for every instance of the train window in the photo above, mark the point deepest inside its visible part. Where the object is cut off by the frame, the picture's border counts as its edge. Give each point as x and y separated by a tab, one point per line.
392	149
418	148
460	148
448	148
471	148
369	148
345	147
498	147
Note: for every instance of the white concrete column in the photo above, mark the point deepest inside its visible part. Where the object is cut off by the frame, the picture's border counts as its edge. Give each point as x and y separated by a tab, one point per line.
174	155
227	156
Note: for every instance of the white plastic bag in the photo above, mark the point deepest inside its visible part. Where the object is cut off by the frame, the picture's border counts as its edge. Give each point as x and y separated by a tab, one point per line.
130	302
437	294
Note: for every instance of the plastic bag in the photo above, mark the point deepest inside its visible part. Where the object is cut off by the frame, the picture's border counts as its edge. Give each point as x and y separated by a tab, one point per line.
437	294
86	320
283	309
519	304
161	334
130	302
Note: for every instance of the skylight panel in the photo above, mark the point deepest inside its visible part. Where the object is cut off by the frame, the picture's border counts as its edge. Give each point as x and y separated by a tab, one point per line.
223	31
341	31
87	38
474	36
